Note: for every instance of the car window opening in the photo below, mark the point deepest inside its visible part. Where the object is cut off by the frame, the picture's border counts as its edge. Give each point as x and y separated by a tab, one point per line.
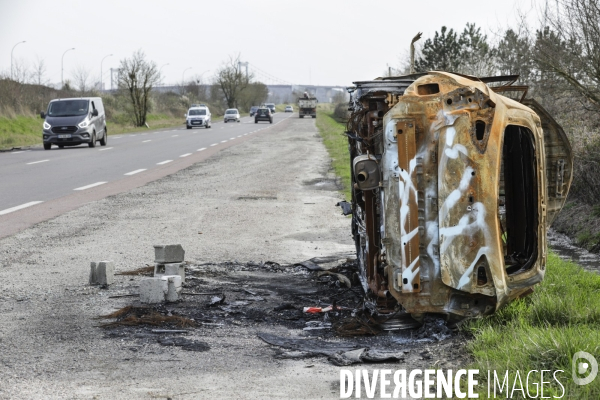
518	203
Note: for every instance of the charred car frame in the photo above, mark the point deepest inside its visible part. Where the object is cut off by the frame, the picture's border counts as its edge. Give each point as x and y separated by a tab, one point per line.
454	188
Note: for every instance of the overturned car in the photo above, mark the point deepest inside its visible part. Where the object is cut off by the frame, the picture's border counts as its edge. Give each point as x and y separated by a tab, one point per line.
454	188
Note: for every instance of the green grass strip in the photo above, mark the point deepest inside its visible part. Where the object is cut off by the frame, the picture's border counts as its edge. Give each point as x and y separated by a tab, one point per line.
336	143
544	331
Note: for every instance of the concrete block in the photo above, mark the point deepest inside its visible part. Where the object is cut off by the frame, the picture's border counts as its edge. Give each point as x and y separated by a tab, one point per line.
173	287
168	253
153	290
102	273
170	269
175	269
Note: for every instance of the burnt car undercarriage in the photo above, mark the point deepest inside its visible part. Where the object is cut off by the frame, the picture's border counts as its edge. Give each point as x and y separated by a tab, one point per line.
454	188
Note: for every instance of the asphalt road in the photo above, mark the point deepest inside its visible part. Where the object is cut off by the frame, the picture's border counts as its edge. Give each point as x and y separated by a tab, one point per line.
33	177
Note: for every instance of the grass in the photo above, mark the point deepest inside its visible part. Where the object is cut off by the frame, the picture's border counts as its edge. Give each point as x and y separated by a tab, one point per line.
20	131
540	332
336	143
544	330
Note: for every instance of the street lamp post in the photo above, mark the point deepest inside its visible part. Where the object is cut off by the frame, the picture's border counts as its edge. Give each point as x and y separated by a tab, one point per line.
11	59
160	69
182	78
62	60
102	87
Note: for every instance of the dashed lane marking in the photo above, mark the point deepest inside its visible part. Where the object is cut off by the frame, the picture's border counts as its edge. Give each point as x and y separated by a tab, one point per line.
90	186
137	171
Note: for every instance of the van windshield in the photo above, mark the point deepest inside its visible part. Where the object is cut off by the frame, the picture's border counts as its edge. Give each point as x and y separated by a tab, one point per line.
68	108
197	112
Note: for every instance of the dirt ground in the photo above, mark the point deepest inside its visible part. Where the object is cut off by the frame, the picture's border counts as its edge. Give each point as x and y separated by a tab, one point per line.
245	217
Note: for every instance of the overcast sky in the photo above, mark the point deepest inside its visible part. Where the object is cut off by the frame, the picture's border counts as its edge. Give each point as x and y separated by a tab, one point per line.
325	42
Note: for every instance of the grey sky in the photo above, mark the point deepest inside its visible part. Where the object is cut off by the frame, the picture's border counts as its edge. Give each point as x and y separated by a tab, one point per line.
329	42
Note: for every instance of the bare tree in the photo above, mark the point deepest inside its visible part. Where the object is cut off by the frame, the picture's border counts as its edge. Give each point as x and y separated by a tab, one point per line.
569	46
137	76
232	80
20	71
81	77
38	75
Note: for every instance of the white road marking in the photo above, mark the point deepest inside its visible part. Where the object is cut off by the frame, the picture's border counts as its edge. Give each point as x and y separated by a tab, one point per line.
223	141
185	155
22	206
232	138
106	148
17	152
240	136
36	162
174	135
164	162
146	141
137	171
245	134
214	144
204	148
90	186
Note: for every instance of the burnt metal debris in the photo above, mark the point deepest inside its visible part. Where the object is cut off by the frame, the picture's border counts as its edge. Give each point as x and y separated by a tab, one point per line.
454	188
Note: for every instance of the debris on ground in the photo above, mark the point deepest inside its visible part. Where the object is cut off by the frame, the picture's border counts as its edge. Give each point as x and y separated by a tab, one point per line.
337	324
148	270
338	353
134	316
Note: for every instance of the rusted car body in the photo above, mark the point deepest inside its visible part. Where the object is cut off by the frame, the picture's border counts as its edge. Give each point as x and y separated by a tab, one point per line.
454	188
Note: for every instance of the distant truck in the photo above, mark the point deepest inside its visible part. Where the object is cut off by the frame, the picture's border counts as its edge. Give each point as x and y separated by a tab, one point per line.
307	106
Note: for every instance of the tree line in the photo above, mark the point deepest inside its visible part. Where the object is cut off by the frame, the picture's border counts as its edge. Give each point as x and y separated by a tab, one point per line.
560	63
136	94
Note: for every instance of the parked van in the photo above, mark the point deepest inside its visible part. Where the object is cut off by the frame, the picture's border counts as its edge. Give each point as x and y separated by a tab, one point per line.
70	122
198	116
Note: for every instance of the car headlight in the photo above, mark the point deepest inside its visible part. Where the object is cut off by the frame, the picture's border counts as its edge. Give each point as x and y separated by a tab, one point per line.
47	125
83	124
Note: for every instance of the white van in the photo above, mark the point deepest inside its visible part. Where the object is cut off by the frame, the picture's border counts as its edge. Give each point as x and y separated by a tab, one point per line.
198	116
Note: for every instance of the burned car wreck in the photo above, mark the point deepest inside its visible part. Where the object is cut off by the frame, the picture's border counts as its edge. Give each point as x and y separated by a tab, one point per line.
454	188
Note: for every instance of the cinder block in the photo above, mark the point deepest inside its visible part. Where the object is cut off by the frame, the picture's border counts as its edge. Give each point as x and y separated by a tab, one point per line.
168	253
102	273
176	269
170	269
153	290
173	287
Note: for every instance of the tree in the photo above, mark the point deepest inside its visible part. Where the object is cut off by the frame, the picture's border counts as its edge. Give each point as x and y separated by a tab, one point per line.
255	94
232	80
38	76
441	54
476	57
81	76
513	56
569	46
137	76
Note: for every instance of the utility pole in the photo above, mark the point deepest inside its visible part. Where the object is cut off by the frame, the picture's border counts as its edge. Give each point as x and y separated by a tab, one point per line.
412	52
